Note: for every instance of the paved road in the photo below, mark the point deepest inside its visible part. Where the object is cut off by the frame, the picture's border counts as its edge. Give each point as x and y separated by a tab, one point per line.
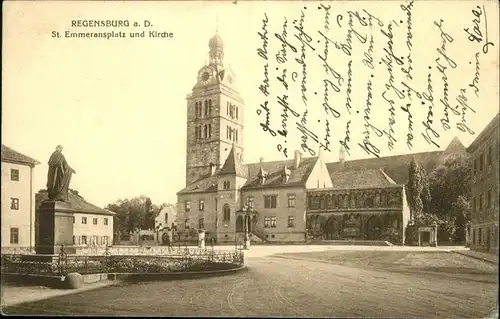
290	287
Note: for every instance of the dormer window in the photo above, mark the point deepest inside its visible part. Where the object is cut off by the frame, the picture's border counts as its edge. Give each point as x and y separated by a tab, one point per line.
226	185
262	176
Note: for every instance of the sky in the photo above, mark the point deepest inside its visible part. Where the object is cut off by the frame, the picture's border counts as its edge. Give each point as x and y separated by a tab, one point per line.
118	106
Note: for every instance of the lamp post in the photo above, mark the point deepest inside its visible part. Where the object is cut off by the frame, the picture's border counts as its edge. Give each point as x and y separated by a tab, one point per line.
246	243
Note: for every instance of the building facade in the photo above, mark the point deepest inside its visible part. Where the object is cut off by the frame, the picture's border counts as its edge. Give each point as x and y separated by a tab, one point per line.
281	201
92	225
18	200
485	189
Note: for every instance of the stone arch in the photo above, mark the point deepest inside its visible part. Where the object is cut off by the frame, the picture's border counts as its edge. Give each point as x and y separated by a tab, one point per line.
374	227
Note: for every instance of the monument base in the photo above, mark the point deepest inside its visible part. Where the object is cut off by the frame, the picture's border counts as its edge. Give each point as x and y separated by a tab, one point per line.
55	228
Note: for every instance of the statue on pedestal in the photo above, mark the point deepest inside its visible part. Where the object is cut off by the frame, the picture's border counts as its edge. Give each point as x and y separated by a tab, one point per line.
59	176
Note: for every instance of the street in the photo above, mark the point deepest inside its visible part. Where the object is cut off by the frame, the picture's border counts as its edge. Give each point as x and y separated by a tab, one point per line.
400	286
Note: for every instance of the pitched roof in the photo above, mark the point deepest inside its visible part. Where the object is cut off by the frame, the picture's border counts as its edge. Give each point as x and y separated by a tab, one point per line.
492	125
274	176
204	185
363	178
396	167
77	203
233	165
275	172
11	155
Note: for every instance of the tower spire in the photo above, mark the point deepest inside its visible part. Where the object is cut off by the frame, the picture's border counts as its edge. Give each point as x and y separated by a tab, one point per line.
216	22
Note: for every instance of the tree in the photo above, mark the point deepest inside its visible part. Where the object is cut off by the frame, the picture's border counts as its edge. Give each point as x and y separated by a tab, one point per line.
132	214
451	193
417	190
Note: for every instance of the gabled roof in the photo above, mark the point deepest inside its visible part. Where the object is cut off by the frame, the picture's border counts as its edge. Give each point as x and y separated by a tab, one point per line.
489	129
8	154
275	169
363	178
77	203
207	184
233	165
274	176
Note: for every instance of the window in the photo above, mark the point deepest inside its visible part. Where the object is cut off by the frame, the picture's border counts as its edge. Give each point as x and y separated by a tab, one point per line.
291	200
200	224
270	201
270	222
198	109
201	206
226	185
236	135
197	133
480	202
14	203
166	219
14	175
490	155
474	205
84	239
14	235
474	236
94	221
208	107
250	202
489	202
480	237
74	239
74	219
236	112
105	221
475	167
84	220
227	212
291	221
481	162
209	130
187	206
187	223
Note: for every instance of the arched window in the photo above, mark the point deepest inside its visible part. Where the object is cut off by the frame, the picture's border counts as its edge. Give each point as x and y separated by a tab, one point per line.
209	107
227	212
209	130
205	128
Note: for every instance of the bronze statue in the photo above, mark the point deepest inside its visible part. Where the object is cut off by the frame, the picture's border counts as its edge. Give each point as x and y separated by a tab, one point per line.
59	176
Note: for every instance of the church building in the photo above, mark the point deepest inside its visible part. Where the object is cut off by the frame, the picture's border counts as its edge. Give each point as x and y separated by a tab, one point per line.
293	200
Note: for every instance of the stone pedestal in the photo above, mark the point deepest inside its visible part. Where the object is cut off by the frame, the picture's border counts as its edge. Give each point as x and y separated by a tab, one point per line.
201	239
55	228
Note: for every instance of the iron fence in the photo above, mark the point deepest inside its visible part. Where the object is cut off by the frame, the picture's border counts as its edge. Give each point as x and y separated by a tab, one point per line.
175	261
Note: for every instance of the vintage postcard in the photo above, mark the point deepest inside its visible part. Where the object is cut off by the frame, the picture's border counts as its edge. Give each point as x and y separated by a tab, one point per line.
250	158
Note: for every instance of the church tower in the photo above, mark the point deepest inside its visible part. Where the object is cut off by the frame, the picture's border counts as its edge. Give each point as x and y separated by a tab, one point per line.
214	116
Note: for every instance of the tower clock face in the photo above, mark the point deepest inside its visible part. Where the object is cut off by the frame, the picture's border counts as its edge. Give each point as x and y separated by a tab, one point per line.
205	76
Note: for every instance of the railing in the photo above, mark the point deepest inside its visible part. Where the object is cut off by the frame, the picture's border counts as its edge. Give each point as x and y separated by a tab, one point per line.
178	260
259	232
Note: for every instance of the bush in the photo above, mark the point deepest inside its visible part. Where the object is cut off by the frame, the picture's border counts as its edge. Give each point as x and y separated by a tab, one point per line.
391	235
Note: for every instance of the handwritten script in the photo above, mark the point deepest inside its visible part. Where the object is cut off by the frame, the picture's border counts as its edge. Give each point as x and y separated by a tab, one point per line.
371	79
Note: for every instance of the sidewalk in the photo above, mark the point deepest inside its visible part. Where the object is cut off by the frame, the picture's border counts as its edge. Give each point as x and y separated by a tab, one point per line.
14	295
487	257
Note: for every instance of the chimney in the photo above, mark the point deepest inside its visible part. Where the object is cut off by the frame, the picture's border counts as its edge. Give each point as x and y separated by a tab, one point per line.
296	159
212	169
341	155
